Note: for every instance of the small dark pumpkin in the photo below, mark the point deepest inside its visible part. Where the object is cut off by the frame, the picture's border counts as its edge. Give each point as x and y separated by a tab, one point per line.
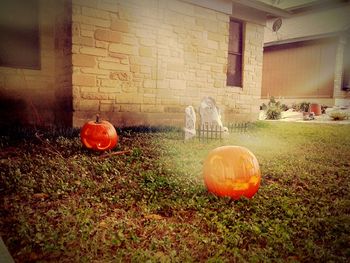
99	135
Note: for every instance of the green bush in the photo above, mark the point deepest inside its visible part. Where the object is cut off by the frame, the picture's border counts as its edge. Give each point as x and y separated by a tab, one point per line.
323	108
284	107
339	115
303	106
263	106
296	107
273	109
273	113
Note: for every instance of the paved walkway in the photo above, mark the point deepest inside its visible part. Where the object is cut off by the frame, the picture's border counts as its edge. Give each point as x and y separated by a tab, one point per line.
298	117
318	119
5	256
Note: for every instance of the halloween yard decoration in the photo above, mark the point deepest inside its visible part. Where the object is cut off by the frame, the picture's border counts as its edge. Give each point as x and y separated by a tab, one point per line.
99	135
210	114
232	171
190	123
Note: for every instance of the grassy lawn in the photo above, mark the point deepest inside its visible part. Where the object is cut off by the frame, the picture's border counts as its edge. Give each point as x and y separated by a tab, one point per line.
62	203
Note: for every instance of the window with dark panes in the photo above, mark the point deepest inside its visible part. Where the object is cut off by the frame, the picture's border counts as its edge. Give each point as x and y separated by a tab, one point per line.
19	34
235	48
346	67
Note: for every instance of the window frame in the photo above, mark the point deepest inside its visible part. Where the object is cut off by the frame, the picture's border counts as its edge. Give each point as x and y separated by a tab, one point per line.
345	85
237	54
20	35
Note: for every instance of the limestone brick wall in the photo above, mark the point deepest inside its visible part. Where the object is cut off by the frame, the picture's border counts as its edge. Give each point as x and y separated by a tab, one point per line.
29	96
142	62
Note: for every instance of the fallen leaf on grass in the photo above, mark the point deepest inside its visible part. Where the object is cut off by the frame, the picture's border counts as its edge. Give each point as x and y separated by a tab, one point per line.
77	182
40	196
103	224
154	216
33	256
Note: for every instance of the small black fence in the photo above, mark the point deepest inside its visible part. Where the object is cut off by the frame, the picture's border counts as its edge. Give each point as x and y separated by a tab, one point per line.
238	126
207	132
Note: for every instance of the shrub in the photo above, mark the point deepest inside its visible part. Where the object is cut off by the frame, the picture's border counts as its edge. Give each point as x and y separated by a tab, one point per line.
284	107
273	113
296	107
273	109
323	108
339	115
304	106
263	106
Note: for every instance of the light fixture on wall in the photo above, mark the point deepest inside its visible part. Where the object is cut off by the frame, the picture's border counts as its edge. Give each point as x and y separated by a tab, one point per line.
277	24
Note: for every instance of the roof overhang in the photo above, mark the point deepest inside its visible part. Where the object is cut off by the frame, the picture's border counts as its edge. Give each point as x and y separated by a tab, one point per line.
300	39
260	6
223	6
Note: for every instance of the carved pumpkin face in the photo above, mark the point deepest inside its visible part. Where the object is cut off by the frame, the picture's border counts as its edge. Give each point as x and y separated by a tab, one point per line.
99	135
232	171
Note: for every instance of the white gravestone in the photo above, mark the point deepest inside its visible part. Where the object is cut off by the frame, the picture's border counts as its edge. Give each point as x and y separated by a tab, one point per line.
210	114
190	125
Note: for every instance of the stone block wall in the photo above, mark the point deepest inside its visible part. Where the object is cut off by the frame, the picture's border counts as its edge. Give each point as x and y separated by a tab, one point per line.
142	62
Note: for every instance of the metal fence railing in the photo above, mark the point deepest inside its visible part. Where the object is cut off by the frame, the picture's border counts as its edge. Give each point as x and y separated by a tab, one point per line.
238	126
207	132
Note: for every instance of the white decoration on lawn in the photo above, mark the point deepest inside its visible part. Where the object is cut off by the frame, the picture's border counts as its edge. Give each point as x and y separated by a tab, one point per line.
210	114
190	125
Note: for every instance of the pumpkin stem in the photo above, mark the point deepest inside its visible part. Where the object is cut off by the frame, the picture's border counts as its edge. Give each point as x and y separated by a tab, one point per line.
97	118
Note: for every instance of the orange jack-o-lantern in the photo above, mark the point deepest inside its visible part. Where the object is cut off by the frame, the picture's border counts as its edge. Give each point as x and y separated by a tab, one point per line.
99	135
232	171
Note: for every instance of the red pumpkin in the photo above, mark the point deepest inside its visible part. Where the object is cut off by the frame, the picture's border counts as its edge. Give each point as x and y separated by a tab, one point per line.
99	135
232	171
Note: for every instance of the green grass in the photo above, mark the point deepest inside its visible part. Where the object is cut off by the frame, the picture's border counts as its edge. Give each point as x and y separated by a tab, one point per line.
62	203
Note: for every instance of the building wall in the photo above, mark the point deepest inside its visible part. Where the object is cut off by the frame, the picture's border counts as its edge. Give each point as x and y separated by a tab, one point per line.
309	24
303	69
63	64
316	24
341	97
143	62
313	73
29	97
